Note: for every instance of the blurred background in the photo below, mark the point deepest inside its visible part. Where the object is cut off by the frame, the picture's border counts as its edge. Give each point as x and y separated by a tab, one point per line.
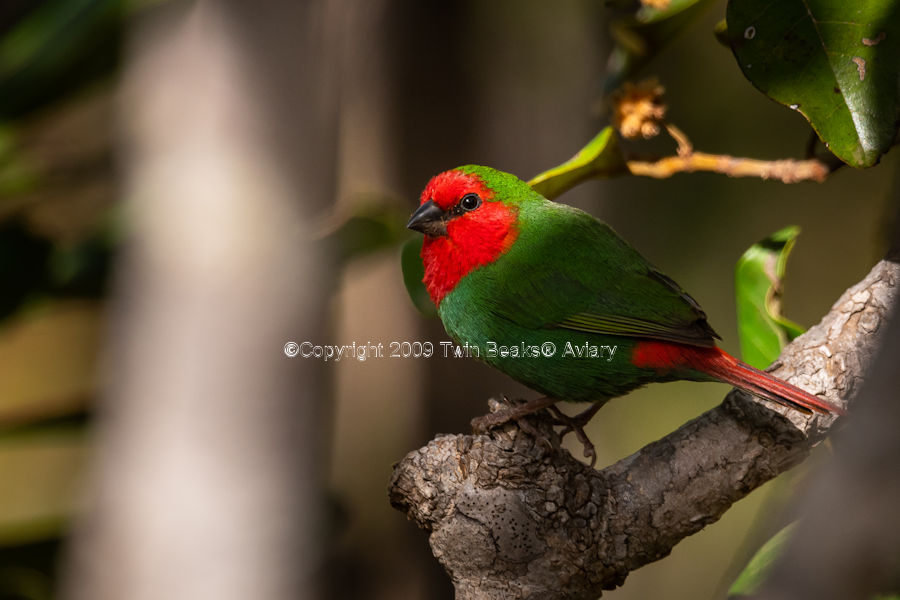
359	103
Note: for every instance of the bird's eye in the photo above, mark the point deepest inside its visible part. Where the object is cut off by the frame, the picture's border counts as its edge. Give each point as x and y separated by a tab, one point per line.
470	202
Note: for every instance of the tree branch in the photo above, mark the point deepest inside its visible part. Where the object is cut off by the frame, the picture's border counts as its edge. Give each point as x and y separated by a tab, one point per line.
785	170
513	517
687	160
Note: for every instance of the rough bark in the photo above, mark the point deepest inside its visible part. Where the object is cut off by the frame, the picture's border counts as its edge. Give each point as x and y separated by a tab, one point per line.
515	517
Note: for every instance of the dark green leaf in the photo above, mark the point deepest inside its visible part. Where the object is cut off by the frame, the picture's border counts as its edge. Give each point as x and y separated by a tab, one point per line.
758	283
600	158
413	274
834	61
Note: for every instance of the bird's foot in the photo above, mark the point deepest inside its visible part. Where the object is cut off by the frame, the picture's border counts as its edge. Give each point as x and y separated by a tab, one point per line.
517	412
576	425
512	412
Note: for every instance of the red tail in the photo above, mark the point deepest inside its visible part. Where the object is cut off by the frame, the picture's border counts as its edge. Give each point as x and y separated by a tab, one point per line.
720	365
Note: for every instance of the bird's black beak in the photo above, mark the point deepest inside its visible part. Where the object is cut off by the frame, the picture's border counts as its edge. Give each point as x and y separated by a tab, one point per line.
430	219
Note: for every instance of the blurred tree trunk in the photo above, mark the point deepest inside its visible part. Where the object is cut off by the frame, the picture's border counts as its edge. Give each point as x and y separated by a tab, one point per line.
208	470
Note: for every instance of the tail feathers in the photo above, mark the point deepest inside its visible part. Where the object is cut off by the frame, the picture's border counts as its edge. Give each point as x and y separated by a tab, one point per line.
725	367
718	364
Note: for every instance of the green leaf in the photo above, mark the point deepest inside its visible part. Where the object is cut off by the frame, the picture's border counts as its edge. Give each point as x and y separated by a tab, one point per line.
413	274
600	158
758	282
641	33
757	570
834	61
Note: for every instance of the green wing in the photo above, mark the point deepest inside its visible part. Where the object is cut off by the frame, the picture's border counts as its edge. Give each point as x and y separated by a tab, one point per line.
567	270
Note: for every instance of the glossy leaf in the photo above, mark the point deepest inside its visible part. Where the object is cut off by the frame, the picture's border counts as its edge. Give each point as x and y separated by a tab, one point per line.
758	284
834	61
601	157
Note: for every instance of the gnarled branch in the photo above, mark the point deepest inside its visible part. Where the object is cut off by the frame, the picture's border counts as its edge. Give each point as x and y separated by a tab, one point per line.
514	517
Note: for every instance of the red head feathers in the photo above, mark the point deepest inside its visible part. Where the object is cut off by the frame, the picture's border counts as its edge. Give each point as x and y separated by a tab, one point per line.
465	228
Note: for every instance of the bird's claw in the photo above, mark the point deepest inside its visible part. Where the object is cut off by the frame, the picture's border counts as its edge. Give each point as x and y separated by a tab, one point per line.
511	412
576	425
517	412
505	411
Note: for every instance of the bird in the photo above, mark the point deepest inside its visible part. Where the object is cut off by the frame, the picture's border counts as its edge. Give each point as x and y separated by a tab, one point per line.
557	300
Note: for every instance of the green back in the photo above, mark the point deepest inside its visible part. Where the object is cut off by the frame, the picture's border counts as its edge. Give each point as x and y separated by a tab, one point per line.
568	277
569	270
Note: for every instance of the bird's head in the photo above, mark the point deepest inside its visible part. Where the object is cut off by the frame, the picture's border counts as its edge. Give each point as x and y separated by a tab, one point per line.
469	216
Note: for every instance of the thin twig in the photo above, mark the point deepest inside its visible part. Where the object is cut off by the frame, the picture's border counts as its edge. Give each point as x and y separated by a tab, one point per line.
785	170
685	147
687	160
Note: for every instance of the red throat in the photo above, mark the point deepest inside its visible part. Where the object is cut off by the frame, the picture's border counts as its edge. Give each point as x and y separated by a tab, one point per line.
473	239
